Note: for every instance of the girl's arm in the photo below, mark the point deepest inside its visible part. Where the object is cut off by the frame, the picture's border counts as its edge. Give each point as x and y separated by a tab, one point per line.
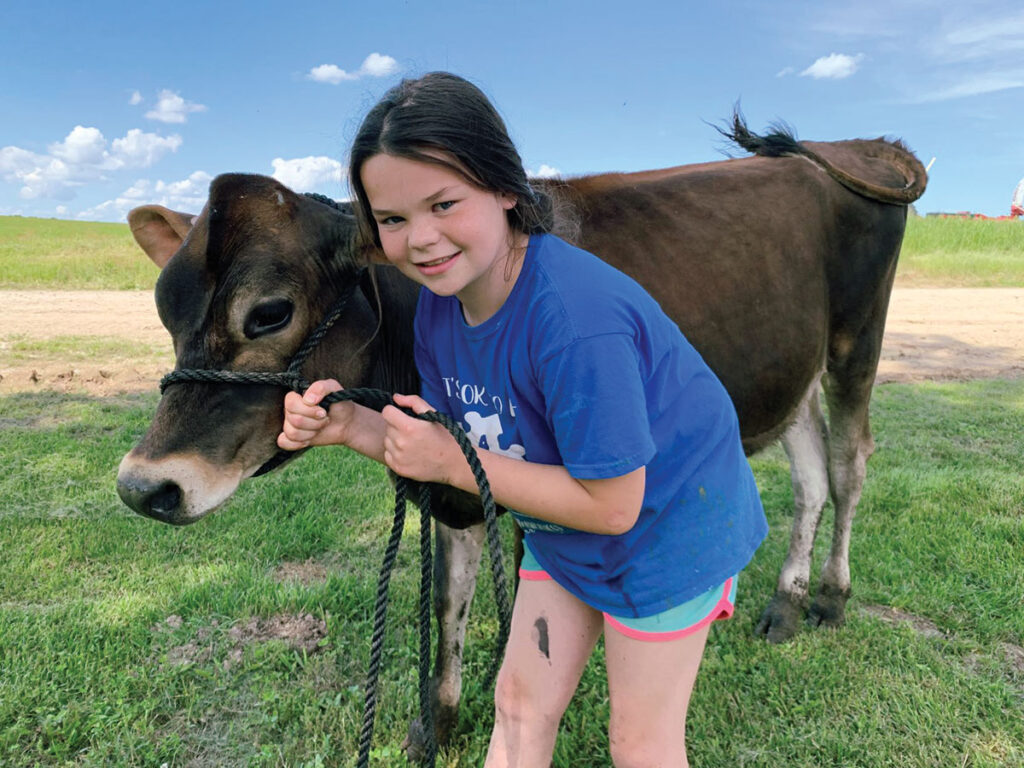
548	492
424	451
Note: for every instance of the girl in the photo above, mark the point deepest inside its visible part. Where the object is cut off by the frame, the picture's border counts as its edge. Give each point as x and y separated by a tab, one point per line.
601	427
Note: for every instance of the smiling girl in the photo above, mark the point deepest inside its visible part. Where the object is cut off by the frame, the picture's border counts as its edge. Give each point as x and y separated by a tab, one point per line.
600	427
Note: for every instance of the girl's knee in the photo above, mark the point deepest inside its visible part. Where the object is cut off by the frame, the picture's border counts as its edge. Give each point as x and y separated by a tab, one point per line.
517	701
635	744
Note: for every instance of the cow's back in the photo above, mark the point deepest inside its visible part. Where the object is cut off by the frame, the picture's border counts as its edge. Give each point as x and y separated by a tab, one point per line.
725	247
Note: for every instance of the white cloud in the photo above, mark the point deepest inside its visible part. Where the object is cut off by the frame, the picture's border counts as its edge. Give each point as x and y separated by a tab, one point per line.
141	150
191	191
141	189
329	73
52	178
188	195
997	32
835	66
785	71
135	99
544	172
308	174
378	65
15	162
974	86
374	65
83	146
991	39
171	108
39	175
82	156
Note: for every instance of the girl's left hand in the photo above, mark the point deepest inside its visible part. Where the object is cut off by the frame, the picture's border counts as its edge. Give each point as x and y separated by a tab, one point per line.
416	449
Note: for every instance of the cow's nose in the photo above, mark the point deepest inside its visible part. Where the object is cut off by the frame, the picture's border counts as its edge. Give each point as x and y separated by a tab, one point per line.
161	501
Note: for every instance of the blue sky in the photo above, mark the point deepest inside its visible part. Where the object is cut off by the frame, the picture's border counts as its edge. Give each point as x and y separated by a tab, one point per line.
108	105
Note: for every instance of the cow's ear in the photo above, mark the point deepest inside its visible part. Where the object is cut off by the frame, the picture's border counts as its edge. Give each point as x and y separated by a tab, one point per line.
159	231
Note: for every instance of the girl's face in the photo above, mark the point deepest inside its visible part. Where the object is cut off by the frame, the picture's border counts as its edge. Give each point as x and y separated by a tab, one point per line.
443	232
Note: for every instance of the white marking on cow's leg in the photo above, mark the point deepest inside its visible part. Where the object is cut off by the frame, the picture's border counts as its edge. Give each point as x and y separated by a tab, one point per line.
805	445
456	565
850	447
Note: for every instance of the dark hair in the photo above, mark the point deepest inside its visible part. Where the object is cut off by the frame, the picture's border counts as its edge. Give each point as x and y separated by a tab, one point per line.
443	119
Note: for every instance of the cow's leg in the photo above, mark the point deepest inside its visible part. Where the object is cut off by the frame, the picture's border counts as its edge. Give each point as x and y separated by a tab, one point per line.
850	447
805	445
456	561
852	365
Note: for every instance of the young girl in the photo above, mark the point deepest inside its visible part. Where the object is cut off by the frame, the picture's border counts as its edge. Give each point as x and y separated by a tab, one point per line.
600	426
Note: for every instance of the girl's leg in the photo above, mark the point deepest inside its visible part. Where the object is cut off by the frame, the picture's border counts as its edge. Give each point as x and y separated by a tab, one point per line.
552	636
649	684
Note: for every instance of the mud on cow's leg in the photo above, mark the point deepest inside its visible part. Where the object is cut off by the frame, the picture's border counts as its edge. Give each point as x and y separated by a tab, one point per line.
456	561
805	443
850	447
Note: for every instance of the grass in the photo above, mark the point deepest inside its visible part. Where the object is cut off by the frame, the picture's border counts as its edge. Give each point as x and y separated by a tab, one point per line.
969	253
50	253
21	349
117	648
54	253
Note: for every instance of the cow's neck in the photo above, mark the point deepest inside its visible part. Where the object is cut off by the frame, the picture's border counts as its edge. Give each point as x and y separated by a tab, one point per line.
392	297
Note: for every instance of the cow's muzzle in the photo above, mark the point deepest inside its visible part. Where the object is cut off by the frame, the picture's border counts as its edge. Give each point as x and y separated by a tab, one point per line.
161	501
177	490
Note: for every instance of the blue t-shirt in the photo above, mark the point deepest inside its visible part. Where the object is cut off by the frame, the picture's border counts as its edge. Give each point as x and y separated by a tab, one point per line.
580	367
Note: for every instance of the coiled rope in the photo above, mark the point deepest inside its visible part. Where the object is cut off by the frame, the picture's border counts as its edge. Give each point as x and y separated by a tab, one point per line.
376	399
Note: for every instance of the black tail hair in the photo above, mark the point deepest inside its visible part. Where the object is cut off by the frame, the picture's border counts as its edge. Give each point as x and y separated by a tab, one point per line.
780	139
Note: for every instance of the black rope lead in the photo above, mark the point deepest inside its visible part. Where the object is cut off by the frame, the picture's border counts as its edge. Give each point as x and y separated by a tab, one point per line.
377	399
426	576
498	577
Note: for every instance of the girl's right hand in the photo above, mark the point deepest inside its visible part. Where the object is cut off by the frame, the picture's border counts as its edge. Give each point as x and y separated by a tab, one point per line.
306	423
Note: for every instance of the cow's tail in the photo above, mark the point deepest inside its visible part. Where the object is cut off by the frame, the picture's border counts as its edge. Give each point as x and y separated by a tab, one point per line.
780	141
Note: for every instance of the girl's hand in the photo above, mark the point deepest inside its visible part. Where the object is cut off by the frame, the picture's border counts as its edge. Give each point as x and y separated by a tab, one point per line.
306	423
418	450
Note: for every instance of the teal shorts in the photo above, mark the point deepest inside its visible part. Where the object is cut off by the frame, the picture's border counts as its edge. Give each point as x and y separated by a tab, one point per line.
680	621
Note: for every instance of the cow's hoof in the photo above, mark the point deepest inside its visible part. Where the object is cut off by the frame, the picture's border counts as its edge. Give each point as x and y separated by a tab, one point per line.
781	619
829	607
415	744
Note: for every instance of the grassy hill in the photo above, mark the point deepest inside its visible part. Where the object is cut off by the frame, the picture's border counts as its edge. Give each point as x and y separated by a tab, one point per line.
54	253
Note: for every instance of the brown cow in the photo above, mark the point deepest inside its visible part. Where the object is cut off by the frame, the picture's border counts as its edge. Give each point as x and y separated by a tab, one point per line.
777	267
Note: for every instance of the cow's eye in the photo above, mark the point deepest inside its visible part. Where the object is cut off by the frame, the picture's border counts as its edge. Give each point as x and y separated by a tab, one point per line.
267	317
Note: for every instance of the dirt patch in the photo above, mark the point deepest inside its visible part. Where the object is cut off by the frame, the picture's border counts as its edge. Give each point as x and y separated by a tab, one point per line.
931	334
922	626
1007	657
305	573
1014	656
302	632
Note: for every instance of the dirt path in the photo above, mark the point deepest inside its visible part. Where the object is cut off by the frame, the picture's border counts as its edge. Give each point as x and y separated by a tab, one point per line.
945	333
953	333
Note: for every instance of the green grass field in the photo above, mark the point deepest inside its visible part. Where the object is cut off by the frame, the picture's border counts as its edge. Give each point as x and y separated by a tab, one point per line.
54	253
37	253
962	252
124	642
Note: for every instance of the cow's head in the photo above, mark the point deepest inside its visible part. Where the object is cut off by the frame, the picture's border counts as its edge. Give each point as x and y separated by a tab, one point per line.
242	284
